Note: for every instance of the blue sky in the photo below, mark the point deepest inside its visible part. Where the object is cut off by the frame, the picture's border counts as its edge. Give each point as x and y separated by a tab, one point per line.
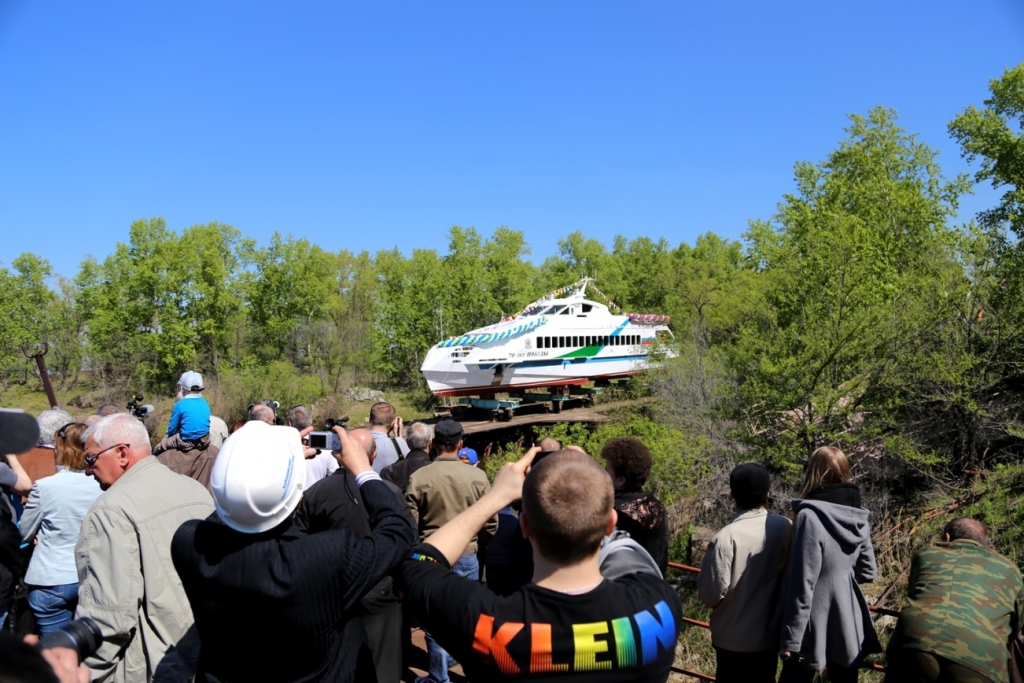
371	125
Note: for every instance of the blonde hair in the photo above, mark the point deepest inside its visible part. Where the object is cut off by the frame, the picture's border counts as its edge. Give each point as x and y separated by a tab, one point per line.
827	465
70	449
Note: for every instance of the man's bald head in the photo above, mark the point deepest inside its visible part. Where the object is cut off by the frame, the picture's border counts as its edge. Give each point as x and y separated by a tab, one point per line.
364	438
567	503
262	413
965	527
550	444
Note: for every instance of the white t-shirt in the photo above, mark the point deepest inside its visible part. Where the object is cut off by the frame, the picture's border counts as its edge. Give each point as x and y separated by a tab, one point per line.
319	467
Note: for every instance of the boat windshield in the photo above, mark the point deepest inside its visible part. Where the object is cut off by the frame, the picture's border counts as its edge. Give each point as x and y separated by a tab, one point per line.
554	310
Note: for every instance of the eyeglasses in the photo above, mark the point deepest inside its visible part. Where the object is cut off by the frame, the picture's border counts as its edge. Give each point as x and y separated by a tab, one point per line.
90	459
62	432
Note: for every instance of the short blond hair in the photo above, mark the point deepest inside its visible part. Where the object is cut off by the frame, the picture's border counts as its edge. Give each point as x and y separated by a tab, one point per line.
567	501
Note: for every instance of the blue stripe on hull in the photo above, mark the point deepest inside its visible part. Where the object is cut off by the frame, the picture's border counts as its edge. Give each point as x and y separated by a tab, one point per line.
558	362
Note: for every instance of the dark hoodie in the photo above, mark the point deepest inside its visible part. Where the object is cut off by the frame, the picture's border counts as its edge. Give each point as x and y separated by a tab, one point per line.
643	517
826	618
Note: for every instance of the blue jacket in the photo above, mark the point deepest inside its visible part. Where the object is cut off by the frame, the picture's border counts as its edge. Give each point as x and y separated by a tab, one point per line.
190	418
55	510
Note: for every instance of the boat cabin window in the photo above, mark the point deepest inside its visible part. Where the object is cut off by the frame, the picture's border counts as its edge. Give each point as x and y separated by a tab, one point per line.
584	309
535	311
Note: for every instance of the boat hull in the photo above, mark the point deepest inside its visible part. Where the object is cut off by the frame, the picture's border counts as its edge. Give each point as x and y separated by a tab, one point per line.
470	379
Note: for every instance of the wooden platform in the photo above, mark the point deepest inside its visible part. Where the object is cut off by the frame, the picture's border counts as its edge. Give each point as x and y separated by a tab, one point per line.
540	418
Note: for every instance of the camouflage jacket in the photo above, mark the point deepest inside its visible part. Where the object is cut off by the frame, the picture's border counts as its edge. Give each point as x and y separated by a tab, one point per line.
965	604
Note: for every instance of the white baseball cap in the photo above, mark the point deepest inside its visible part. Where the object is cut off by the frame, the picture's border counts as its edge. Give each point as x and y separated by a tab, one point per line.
258	477
191	381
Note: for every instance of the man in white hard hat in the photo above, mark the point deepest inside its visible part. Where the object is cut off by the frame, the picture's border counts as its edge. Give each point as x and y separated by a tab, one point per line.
271	603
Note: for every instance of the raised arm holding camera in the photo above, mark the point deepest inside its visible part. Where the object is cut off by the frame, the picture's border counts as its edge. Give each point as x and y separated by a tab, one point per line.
386	429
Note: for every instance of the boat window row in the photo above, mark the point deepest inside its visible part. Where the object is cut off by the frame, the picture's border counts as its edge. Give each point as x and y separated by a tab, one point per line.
562	309
568	342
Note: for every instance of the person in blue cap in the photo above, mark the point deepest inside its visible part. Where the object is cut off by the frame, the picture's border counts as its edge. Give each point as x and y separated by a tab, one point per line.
191	415
468	456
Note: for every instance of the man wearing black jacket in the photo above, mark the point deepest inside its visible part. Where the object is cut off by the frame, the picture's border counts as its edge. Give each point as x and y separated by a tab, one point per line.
334	503
418	435
270	603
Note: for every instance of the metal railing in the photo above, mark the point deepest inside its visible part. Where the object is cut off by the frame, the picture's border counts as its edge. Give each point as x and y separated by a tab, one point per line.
703	624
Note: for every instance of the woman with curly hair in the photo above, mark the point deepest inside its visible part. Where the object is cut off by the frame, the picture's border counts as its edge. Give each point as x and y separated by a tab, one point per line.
53	516
641	515
826	623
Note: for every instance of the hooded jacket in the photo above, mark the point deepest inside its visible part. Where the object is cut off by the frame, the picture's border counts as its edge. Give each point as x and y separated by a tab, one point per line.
826	617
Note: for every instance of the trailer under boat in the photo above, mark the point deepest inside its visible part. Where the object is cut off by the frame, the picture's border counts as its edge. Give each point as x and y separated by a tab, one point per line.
562	340
506	406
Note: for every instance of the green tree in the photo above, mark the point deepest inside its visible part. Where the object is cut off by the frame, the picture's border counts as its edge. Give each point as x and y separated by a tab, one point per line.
509	278
290	286
845	266
25	320
992	136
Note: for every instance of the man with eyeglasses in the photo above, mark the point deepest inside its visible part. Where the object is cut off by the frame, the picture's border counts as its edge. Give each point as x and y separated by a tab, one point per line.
127	582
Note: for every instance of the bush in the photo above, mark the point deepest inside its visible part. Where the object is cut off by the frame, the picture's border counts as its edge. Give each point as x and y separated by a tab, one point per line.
252	382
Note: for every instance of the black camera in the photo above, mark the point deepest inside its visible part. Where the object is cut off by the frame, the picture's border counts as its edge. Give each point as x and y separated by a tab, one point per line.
81	635
273	405
330	423
136	408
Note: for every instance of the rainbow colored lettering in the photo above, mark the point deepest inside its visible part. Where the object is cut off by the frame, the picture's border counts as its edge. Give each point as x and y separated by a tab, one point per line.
597	646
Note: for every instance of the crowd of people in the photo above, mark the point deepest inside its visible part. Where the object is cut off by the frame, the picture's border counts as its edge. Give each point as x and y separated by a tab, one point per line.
256	557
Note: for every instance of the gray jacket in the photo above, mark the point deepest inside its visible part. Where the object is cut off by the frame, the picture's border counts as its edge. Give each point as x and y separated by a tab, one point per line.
621	555
56	507
826	618
127	582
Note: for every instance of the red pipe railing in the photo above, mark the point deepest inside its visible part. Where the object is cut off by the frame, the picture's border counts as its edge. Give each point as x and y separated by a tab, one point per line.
703	624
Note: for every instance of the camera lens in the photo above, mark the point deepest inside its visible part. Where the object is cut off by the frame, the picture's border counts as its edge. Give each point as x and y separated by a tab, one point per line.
81	635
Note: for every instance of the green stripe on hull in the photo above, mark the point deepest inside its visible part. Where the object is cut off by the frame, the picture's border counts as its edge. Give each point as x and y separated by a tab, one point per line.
585	352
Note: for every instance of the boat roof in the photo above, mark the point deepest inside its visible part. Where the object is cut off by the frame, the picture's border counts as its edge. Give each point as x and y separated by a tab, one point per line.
554	303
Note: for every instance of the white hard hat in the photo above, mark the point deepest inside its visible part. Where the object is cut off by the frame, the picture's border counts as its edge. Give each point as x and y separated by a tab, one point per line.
258	477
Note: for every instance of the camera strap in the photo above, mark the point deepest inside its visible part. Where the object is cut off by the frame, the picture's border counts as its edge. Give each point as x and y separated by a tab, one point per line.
398	450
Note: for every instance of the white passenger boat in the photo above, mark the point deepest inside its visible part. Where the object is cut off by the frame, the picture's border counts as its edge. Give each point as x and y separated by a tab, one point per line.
564	339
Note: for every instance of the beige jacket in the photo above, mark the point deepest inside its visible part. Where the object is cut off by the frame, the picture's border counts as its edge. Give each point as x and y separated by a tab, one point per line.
127	582
443	489
741	580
